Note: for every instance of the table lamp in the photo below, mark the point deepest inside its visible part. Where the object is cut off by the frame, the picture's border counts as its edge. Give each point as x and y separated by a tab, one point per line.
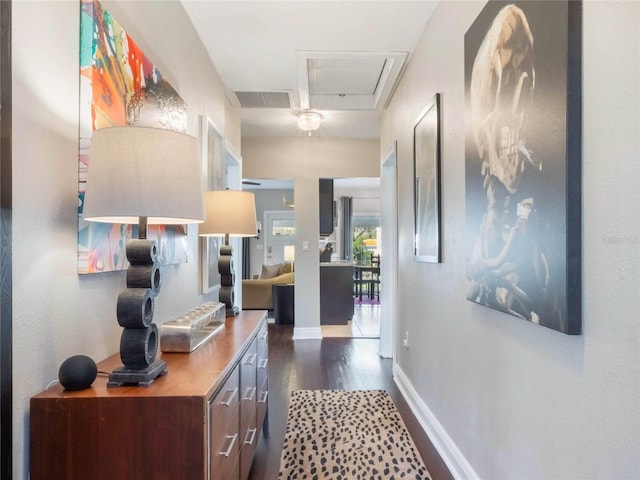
230	213
143	176
290	254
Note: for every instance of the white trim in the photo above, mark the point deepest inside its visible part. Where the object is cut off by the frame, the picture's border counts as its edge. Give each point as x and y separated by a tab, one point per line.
307	333
233	181
451	455
389	249
230	149
212	162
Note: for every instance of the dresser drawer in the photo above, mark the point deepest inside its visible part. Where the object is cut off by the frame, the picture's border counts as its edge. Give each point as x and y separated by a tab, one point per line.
226	401
263	375
226	459
224	429
248	448
263	404
263	341
248	386
225	453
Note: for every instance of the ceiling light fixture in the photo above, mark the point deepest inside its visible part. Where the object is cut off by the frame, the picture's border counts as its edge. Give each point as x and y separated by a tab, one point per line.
309	121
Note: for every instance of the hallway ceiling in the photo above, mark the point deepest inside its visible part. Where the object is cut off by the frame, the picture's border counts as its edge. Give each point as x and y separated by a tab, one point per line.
341	58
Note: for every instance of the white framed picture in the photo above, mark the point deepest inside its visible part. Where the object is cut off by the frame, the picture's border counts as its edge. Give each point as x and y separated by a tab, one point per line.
213	175
426	170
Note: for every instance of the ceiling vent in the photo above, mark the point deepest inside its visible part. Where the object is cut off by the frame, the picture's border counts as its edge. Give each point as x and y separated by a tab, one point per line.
276	99
348	80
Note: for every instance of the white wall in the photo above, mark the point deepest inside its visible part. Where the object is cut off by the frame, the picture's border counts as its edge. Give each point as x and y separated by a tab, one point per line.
516	400
306	160
56	312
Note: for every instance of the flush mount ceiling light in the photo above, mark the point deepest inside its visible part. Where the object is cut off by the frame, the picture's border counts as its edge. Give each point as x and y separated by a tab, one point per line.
309	121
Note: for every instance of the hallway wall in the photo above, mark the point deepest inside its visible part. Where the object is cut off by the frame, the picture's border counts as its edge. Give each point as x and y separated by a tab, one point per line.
56	312
504	397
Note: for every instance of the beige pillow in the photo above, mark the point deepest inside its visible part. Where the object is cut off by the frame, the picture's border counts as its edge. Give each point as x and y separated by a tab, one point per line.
270	271
285	268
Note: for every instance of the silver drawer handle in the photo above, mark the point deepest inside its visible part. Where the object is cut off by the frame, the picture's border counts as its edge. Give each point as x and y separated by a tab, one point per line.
264	336
263	363
252	357
253	436
249	396
232	394
233	442
265	394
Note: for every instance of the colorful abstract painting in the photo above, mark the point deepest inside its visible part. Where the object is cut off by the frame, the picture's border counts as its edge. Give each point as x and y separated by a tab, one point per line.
120	86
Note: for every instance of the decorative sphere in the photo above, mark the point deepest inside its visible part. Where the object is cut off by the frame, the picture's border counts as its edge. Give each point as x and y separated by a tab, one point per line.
77	372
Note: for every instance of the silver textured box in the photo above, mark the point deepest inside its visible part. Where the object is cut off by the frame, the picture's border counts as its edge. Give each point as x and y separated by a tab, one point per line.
191	329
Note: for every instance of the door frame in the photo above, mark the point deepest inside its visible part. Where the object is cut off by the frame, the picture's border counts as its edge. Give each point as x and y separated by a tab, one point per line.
389	248
6	236
233	181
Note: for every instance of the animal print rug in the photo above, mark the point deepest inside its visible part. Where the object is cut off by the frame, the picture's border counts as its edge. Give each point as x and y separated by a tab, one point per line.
340	435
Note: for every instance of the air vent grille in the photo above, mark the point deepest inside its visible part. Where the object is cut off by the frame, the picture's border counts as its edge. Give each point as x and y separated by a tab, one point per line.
264	99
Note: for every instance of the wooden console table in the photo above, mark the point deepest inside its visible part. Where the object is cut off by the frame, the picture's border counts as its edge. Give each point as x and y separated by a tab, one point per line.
200	421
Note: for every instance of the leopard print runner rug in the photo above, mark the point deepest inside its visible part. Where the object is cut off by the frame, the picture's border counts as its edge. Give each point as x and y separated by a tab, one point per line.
340	435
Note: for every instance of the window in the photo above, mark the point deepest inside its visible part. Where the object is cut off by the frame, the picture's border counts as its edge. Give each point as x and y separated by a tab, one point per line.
283	228
365	238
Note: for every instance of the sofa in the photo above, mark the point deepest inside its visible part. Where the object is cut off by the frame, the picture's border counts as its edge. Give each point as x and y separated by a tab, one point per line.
256	292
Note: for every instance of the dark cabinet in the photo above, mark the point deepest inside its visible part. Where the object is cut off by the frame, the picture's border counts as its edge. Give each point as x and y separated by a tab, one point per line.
336	293
327	207
283	303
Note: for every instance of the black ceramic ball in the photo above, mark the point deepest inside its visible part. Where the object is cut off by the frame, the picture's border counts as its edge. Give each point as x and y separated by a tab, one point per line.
77	372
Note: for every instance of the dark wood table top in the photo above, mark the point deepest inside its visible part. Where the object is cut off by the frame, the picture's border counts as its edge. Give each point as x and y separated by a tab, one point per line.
198	373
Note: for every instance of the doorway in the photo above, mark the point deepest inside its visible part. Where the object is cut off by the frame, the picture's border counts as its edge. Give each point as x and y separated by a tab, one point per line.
279	231
358	223
389	246
271	195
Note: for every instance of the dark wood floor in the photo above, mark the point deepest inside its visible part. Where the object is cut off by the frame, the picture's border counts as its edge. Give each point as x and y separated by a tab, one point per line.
332	363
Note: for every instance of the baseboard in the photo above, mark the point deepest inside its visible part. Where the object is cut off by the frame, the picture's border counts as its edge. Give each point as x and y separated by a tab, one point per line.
451	455
311	333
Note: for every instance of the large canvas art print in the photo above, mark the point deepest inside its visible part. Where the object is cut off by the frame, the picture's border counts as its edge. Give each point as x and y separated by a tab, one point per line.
523	161
120	86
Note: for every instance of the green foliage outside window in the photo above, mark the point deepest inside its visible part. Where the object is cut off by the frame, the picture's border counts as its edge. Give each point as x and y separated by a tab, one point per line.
361	254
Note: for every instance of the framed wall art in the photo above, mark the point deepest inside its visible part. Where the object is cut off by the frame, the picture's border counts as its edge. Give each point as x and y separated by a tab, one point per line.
119	85
523	161
213	175
426	170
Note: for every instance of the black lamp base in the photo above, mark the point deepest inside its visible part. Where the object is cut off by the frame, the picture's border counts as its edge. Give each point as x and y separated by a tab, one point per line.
142	377
227	279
